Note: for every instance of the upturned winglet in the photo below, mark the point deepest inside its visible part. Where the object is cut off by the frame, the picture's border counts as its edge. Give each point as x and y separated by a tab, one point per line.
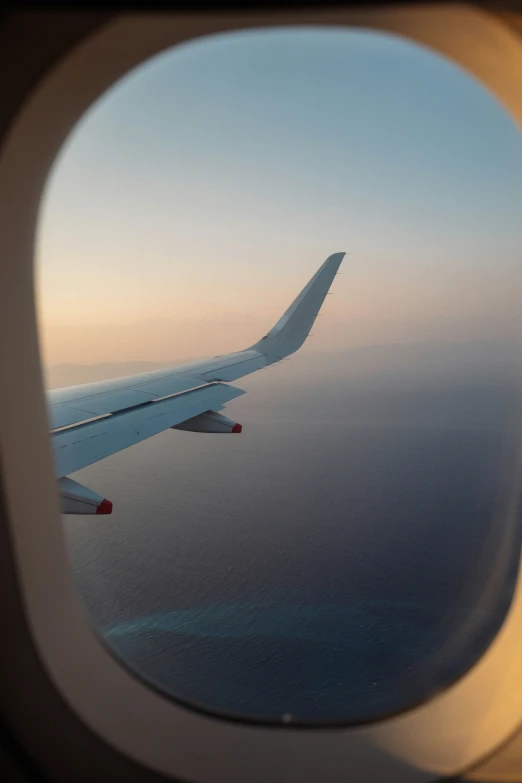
294	326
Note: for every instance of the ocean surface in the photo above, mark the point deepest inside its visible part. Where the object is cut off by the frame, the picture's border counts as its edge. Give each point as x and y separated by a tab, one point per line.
351	553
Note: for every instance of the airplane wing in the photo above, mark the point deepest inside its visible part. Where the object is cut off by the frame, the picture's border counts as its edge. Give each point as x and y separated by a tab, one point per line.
94	420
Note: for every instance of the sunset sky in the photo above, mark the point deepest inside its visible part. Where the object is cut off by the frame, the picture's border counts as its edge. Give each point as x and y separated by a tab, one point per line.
196	198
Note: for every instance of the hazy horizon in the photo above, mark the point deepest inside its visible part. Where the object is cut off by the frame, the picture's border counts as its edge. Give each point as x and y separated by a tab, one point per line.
440	359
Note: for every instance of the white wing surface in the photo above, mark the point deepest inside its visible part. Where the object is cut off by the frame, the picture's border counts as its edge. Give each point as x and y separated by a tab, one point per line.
94	420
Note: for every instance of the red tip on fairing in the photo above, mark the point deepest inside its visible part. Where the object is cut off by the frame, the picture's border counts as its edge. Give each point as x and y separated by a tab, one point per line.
237	428
105	507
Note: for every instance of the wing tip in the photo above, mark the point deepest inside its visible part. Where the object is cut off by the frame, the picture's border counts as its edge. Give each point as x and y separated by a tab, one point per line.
336	256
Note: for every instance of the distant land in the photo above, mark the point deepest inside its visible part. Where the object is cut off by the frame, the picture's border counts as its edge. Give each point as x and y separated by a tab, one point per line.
420	360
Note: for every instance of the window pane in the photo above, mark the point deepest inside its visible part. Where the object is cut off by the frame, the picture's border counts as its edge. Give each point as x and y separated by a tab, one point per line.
355	550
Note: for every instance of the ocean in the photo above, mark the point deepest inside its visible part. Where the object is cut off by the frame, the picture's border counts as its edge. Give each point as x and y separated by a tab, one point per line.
350	554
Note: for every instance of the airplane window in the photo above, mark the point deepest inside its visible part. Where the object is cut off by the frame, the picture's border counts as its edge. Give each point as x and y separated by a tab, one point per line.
354	551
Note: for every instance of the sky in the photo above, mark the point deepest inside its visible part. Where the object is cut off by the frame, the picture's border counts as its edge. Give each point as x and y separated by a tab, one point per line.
195	199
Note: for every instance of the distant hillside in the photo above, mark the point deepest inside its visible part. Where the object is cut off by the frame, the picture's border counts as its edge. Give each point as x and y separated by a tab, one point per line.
60	375
387	363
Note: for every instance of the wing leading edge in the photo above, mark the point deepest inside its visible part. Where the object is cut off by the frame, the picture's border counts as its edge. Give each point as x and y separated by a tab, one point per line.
93	421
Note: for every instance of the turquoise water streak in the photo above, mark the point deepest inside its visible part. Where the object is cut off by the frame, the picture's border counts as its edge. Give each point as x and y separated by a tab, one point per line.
323	622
